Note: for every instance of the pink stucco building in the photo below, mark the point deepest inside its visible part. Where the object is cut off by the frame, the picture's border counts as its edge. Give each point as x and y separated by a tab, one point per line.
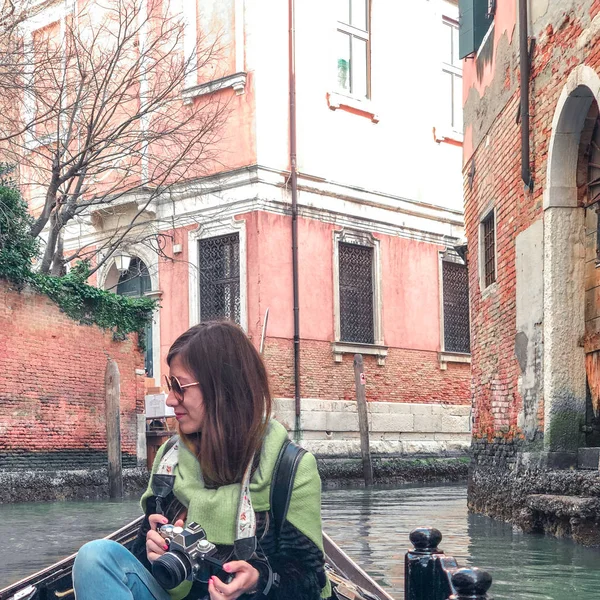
377	191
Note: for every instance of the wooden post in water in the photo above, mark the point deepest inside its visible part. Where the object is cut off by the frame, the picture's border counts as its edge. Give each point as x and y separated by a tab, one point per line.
363	418
112	390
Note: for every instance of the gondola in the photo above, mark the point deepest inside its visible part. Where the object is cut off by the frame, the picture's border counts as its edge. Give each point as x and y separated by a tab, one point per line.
55	583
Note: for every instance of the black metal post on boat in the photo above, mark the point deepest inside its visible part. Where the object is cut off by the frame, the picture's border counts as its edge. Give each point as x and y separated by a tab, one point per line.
471	584
431	575
422	579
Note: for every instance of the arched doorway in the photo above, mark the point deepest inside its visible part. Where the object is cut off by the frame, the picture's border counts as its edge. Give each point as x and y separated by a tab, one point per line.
136	282
570	277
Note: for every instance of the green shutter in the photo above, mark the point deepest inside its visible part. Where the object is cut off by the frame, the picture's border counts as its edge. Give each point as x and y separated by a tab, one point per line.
474	24
466	39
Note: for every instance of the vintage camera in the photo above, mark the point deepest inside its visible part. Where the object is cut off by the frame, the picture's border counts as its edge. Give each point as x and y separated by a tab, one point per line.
190	556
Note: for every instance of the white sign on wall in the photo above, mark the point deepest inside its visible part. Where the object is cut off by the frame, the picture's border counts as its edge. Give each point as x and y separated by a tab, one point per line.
156	406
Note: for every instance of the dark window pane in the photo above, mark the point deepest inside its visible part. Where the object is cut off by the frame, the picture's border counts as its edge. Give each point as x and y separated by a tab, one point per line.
148	350
220	278
359	14
489	249
456	307
457	62
447	94
457	118
343	11
343	60
358	68
135	282
356	293
447	42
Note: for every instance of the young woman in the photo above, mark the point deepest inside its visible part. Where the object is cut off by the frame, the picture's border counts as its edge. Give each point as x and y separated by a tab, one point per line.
218	476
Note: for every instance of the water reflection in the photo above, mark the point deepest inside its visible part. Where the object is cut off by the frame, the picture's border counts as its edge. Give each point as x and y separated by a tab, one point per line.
523	566
35	535
533	566
371	525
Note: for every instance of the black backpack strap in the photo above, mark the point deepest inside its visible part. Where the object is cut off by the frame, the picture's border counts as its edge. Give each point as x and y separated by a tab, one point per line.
283	481
162	485
170	443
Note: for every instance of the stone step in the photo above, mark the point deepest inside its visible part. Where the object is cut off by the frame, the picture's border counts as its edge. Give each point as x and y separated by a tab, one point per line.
584	507
588	458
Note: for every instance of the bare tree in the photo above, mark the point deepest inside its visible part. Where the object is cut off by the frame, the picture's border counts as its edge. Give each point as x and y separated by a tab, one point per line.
93	117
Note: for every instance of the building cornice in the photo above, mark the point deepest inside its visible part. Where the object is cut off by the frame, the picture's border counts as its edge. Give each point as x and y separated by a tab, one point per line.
263	189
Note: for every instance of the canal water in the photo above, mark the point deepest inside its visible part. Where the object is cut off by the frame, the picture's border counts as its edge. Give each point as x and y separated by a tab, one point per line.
372	526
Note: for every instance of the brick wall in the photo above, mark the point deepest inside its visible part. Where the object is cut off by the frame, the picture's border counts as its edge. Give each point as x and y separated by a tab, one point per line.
407	376
52	387
497	183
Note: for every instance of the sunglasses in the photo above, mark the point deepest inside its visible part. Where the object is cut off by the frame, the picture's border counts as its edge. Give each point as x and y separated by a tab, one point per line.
174	385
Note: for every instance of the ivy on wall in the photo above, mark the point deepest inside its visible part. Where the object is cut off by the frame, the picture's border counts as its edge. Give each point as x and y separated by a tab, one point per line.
82	302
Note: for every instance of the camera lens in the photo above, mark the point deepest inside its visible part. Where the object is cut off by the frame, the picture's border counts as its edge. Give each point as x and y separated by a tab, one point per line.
171	569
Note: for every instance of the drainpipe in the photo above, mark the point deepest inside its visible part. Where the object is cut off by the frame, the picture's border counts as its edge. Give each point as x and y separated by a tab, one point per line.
294	188
525	65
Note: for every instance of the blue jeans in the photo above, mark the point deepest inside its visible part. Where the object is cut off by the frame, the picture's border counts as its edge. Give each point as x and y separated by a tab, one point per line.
104	569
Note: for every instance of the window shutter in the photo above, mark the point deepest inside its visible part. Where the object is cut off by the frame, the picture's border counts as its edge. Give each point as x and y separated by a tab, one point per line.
474	21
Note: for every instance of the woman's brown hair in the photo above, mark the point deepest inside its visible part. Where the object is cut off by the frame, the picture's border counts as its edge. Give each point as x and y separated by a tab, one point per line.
237	399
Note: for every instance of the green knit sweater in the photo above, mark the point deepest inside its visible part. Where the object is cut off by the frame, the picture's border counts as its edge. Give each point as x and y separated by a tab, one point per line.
216	509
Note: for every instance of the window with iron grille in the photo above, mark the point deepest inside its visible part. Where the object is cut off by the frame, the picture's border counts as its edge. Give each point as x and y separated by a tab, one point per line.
488	231
356	293
455	293
219	264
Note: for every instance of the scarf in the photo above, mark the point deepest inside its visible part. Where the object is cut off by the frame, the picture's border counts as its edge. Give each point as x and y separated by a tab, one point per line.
216	509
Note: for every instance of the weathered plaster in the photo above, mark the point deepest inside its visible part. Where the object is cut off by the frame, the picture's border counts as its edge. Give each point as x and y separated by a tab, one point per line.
538	8
480	111
545	12
529	319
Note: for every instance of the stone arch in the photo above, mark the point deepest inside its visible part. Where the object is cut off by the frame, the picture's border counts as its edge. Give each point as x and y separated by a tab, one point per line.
108	275
564	268
108	278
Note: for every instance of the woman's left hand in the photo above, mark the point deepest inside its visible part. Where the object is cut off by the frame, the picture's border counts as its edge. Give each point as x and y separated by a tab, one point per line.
245	580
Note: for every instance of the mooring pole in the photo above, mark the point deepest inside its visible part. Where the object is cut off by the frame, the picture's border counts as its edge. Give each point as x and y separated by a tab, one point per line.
112	390
363	418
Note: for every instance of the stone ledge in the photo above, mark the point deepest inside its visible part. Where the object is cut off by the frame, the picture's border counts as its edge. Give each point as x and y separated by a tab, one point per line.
82	484
341	348
564	506
237	81
339	472
382	448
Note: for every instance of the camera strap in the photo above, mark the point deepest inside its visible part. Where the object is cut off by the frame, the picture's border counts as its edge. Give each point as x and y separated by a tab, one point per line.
282	483
245	544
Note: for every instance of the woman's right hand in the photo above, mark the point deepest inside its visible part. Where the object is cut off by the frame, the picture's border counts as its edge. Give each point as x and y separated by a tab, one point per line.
155	544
